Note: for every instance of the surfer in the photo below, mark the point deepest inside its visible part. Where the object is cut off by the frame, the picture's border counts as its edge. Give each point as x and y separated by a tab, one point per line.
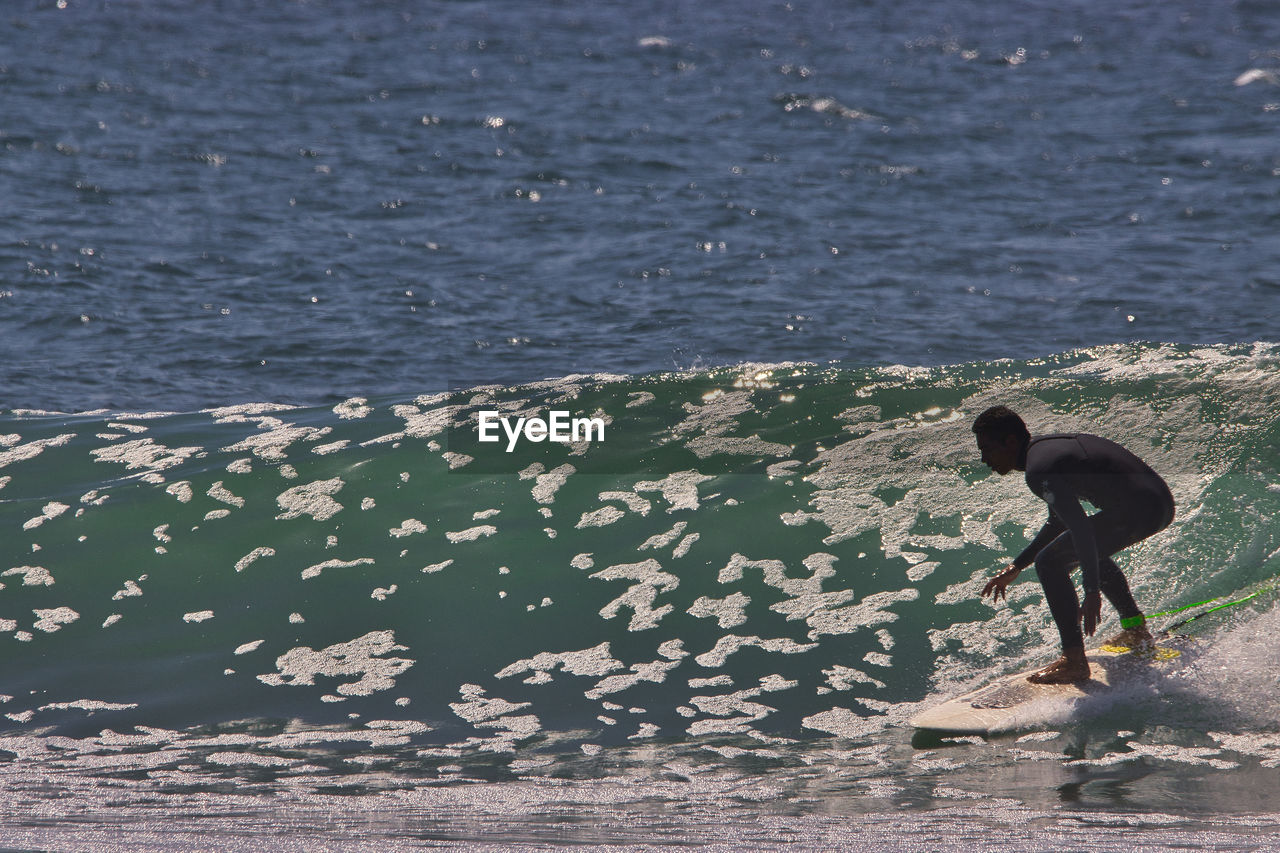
1133	502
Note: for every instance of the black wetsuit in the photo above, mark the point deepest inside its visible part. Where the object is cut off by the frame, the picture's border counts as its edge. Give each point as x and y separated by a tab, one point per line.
1133	502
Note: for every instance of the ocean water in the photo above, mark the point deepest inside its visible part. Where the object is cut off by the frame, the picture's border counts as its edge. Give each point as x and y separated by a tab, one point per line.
359	624
263	266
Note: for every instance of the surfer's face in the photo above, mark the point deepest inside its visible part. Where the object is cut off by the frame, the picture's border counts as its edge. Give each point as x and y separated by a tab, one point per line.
1000	455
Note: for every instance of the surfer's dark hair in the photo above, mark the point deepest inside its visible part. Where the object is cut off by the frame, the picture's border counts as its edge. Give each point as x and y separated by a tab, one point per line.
999	422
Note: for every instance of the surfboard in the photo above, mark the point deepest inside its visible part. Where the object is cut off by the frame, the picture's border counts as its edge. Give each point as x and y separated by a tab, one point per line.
1011	702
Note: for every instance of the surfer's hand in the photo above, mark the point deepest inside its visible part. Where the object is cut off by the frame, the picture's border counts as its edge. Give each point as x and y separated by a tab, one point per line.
997	585
1091	613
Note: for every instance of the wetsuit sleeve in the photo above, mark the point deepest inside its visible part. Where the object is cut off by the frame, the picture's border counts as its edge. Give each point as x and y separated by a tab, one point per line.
1051	530
1064	504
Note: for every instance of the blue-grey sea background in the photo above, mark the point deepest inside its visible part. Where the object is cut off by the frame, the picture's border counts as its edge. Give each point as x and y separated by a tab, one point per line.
260	260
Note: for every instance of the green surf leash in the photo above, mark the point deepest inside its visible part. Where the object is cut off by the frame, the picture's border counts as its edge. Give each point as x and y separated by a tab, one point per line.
1168	629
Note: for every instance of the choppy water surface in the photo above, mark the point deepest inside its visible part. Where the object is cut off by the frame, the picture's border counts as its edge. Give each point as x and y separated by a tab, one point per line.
261	265
304	201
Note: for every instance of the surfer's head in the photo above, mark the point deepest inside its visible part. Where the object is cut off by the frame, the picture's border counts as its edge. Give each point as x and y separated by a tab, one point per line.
1001	436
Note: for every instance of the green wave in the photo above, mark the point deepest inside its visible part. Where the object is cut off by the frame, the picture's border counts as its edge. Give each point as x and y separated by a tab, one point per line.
776	551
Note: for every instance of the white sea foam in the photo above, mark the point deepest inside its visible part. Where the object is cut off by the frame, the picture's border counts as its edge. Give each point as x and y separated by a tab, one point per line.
655	672
253	556
313	499
31	575
640	597
546	485
664	540
51	510
471	534
144	454
408	527
679	490
221	493
365	659
602	517
733	643
52	619
314	571
594	661
728	612
24	452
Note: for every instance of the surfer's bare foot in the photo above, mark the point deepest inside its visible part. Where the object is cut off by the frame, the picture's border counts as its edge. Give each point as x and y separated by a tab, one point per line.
1132	638
1073	666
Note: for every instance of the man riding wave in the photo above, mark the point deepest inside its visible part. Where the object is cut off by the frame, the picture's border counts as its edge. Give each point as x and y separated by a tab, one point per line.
1132	500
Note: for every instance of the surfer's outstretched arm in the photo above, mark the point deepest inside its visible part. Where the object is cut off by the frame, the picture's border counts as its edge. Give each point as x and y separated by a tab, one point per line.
997	587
